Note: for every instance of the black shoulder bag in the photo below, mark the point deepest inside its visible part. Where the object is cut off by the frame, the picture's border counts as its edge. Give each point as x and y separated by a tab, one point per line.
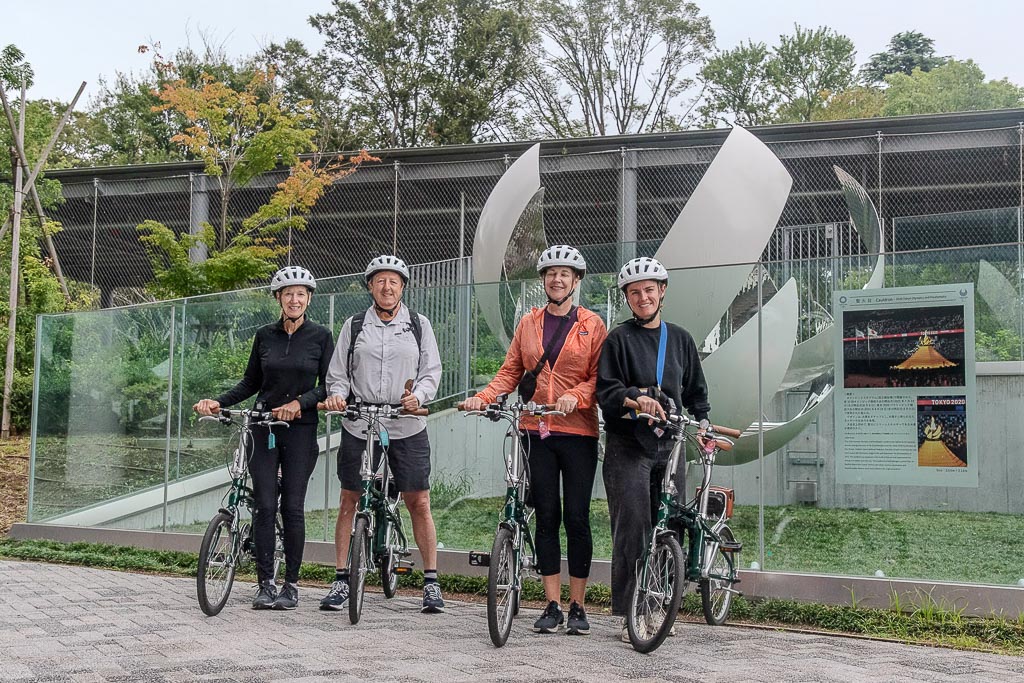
528	384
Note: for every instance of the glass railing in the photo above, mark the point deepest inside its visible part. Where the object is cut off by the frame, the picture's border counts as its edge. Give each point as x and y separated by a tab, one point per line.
116	444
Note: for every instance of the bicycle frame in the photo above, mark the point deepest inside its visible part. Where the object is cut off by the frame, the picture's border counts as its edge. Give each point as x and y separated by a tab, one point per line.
374	504
691	516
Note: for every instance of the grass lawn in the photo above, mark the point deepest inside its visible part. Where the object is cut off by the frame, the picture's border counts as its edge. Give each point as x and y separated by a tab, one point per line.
940	546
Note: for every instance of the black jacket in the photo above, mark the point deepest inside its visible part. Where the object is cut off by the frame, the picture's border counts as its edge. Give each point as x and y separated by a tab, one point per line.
282	369
629	362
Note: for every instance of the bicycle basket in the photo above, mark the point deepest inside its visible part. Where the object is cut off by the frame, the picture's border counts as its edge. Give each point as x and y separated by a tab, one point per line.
720	502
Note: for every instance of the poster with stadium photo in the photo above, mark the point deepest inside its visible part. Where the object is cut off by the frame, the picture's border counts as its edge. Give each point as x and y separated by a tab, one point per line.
905	386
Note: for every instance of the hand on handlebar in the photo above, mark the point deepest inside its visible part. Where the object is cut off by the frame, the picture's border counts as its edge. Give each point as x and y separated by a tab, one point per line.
473	403
566	403
335	402
288	412
651	407
206	407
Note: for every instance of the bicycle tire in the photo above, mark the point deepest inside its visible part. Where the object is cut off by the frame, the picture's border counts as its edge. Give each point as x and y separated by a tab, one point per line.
715	596
216	571
358	568
656	595
388	561
502	596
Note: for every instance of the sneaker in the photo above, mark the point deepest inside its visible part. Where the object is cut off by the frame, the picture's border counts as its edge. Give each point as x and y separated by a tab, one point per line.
266	593
550	620
432	601
577	624
336	598
288	598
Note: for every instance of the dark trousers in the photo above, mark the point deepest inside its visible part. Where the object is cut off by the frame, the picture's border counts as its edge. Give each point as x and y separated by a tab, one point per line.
632	481
295	454
569	463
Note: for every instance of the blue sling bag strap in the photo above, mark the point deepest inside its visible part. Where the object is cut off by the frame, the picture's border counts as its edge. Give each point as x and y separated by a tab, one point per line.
662	343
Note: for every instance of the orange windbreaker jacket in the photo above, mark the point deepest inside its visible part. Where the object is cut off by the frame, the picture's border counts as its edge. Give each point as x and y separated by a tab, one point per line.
574	371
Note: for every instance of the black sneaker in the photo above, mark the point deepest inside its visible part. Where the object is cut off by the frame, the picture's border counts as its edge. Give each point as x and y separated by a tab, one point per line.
266	593
577	624
336	599
550	620
432	601
288	598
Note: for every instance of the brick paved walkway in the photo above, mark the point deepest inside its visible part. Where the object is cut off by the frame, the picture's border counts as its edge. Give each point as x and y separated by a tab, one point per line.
63	623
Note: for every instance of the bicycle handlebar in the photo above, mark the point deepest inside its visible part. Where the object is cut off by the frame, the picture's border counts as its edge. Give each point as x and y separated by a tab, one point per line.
684	421
355	411
263	418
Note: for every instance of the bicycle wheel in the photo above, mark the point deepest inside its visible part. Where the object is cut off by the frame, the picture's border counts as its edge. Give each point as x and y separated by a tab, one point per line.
389	560
656	596
715	591
359	565
216	571
502	595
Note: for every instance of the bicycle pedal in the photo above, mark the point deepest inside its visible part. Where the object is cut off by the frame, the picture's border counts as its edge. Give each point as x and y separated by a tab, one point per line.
478	559
730	547
402	571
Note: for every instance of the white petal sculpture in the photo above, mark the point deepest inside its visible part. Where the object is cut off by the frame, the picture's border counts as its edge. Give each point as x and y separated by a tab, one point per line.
506	203
731	371
776	435
728	219
999	295
815	356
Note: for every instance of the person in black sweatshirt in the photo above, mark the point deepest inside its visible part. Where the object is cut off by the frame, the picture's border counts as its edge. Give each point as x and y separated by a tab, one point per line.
287	371
635	454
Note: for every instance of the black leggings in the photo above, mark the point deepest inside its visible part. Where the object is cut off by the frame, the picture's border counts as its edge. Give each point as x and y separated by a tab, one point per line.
295	453
572	462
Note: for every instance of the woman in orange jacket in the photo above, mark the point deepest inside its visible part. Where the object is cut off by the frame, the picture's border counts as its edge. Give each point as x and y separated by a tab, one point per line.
562	450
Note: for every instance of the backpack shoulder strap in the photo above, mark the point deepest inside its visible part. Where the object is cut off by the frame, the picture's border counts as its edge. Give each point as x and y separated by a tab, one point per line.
417	328
354	330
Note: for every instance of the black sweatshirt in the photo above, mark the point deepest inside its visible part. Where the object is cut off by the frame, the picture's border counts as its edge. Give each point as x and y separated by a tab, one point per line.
629	362
284	367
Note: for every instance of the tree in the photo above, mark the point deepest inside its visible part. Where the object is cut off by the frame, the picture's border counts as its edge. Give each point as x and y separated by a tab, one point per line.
614	66
122	124
954	86
737	88
857	102
14	70
422	71
238	134
807	68
907	51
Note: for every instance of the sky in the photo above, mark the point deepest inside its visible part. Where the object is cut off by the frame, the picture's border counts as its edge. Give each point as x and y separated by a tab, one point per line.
70	41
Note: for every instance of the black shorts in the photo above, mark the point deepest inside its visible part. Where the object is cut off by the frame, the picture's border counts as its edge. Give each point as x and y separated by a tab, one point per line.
409	459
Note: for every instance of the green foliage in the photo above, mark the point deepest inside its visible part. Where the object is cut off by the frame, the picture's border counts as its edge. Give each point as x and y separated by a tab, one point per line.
418	72
951	87
807	67
907	50
14	70
792	81
605	67
175	274
736	86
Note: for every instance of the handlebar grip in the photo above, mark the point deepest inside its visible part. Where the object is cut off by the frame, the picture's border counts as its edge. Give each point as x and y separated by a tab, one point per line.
727	431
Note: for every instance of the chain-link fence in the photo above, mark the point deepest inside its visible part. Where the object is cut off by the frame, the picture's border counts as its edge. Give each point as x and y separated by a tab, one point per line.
427	211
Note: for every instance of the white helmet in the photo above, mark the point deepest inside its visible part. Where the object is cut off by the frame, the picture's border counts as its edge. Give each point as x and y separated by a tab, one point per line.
643	268
292	275
562	255
387	262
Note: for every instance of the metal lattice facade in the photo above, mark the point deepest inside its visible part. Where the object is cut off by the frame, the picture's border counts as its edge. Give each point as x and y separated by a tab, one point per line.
424	204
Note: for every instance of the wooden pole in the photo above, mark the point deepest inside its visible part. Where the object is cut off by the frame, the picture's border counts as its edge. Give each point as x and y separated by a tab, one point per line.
12	319
30	184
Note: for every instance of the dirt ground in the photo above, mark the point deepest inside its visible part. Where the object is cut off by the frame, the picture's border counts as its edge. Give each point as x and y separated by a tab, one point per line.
14	455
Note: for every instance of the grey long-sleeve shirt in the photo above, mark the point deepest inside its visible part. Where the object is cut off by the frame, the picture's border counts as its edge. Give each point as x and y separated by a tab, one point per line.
384	357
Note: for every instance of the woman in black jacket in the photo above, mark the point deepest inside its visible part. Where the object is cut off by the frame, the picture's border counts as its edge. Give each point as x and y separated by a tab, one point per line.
287	371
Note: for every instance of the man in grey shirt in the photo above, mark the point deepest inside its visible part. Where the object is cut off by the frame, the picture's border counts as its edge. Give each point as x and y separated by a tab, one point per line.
386	354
